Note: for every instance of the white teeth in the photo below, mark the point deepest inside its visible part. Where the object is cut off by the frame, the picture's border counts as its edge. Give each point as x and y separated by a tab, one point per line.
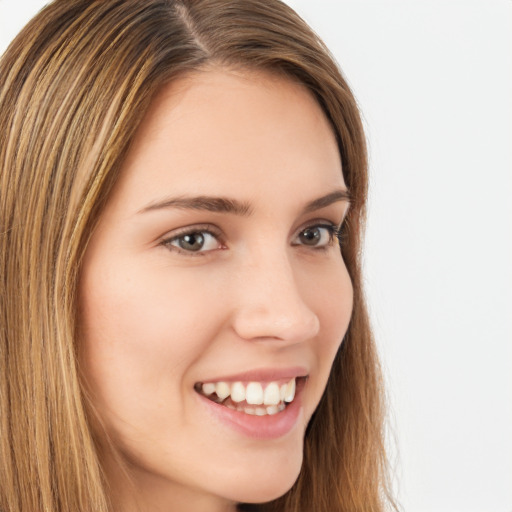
273	396
287	391
238	392
290	391
258	411
272	409
209	388
254	393
222	389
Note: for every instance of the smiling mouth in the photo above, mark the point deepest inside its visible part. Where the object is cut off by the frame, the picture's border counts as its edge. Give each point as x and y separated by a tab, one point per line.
253	398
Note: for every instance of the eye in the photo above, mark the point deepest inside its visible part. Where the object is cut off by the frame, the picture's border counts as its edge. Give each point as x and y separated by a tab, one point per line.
193	241
317	236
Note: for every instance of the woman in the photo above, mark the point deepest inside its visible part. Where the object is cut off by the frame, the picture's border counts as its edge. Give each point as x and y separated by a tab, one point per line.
179	328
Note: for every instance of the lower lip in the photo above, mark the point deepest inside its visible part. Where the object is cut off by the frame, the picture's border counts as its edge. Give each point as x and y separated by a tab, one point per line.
259	427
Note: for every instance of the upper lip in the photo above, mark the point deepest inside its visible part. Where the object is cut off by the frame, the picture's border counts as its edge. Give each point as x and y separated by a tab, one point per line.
262	375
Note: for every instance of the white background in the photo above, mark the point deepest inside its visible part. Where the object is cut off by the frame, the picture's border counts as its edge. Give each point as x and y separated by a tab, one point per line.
434	83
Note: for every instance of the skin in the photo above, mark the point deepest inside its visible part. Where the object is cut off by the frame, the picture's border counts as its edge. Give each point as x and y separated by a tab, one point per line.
157	318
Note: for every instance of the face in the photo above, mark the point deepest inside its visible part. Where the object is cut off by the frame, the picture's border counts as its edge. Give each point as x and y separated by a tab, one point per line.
213	293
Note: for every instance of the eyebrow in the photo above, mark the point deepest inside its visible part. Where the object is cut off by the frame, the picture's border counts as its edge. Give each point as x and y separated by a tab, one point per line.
204	203
233	206
327	200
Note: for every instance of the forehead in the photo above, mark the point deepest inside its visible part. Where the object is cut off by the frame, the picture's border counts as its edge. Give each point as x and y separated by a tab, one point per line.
214	130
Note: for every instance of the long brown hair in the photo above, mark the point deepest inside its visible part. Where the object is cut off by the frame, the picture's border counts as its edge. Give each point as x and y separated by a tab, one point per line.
74	86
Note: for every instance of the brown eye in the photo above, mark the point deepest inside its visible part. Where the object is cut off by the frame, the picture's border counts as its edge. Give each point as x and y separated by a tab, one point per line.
194	242
316	236
310	236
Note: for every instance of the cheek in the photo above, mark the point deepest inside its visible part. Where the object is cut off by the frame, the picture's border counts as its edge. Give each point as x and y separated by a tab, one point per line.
140	333
334	305
339	307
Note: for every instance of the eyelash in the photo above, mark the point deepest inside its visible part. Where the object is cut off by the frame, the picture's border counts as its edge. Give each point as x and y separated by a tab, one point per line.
334	233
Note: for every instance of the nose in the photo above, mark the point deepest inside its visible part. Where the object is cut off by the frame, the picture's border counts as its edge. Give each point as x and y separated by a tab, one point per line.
271	304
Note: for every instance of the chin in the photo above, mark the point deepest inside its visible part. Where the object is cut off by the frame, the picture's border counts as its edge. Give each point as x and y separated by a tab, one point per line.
268	483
